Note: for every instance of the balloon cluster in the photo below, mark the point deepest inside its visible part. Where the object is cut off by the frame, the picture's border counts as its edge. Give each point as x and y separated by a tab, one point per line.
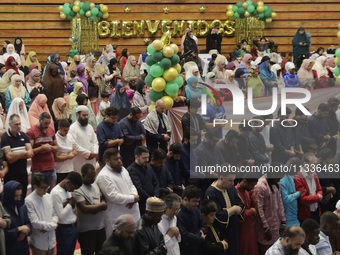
337	62
87	9
249	8
163	72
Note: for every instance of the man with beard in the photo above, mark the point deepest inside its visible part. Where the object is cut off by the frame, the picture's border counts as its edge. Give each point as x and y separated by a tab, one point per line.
312	230
148	238
122	236
85	139
282	138
168	224
290	243
142	177
116	185
44	144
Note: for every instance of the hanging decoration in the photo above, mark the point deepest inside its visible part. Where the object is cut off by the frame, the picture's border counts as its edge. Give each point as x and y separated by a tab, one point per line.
163	71
84	24
250	17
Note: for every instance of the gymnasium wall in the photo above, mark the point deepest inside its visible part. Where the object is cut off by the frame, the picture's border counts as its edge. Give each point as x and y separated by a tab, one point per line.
38	23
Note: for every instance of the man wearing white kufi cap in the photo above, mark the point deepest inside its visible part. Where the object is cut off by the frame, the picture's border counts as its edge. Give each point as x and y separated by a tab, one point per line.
85	139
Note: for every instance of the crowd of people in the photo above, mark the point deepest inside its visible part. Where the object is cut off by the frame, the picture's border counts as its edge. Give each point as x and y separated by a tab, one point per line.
101	177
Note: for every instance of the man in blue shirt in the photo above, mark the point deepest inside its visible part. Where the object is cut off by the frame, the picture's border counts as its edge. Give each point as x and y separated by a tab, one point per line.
108	133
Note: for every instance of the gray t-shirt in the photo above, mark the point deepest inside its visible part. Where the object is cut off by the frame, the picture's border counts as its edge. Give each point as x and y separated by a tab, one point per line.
91	195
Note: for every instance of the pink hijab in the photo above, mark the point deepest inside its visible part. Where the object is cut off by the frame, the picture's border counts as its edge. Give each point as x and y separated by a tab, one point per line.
35	110
245	59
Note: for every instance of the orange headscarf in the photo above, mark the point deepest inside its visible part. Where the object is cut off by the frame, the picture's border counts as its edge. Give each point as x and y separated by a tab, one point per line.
35	110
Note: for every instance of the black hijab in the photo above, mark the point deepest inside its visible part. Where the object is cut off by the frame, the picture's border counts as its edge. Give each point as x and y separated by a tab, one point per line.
80	99
17	47
139	86
113	61
189	43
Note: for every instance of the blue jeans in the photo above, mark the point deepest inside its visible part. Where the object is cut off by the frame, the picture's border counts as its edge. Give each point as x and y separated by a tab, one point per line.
66	238
51	177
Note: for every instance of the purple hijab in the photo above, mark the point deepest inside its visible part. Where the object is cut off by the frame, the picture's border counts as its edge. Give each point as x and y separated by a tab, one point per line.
82	78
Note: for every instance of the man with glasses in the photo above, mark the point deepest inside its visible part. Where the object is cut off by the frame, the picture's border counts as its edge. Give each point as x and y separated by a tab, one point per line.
85	139
42	217
108	133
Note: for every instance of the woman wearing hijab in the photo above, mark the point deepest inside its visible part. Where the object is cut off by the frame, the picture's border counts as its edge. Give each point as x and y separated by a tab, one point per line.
190	48
55	59
34	85
239	77
268	78
193	90
59	111
319	52
17	89
5	81
76	61
254	81
31	59
300	44
78	89
110	72
233	59
290	78
320	72
330	67
107	55
140	97
11	64
4	49
19	49
80	72
305	75
10	51
245	64
2	70
30	68
39	106
131	73
193	71
276	69
123	59
220	71
82	99
120	100
18	107
54	83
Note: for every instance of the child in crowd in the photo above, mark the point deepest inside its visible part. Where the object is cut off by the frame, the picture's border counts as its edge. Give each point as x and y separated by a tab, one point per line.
211	64
2	69
115	51
72	80
105	103
239	51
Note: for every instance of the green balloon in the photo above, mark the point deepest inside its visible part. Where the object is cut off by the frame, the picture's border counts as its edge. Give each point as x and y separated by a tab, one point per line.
270	8
174	59
67	10
148	68
165	63
150	50
241	10
157	56
71	6
93	17
171	88
255	5
88	3
100	14
250	8
86	7
268	14
338	64
154	96
337	53
66	4
98	6
265	8
235	8
236	15
81	4
94	11
179	80
337	71
72	14
254	12
81	12
249	2
239	4
148	80
68	16
156	70
242	16
261	15
149	60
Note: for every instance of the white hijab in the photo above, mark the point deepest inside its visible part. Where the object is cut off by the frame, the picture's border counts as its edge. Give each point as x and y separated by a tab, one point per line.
191	71
14	109
319	68
289	66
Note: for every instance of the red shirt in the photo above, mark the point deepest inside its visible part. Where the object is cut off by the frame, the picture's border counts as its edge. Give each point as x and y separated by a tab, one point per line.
45	160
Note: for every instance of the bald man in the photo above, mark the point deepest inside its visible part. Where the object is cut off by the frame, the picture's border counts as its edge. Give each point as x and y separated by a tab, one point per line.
290	243
158	129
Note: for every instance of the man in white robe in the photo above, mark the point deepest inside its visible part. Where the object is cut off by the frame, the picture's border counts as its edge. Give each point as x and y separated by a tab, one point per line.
85	139
116	185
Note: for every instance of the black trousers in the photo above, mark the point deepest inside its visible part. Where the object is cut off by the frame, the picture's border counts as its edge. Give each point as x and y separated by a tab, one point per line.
91	241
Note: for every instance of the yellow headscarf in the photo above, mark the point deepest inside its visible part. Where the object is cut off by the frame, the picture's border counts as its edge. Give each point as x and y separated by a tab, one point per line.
29	60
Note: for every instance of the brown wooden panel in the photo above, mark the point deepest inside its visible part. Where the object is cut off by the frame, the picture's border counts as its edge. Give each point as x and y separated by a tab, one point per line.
160	1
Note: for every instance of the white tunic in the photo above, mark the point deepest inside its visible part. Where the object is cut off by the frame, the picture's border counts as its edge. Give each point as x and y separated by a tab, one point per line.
171	243
86	141
117	189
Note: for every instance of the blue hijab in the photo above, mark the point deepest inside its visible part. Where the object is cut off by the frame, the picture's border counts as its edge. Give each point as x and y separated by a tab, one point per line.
190	91
120	101
53	57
